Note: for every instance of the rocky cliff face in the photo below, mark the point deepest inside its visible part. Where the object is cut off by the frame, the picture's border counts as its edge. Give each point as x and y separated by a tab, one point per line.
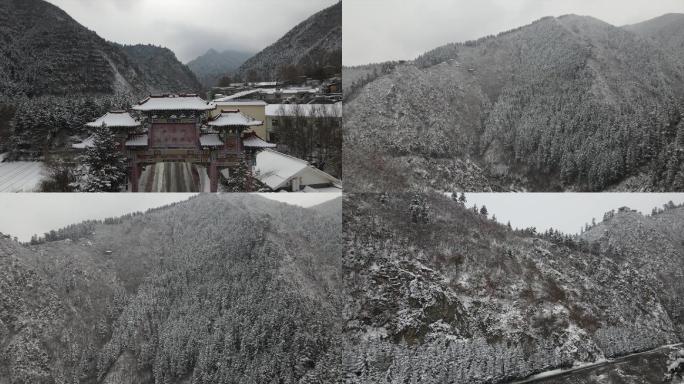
439	293
146	299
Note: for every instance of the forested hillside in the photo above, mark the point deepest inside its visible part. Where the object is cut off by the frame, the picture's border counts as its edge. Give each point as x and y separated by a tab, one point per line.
654	245
329	207
161	70
306	49
46	52
357	76
51	122
52	69
666	30
242	289
567	103
438	292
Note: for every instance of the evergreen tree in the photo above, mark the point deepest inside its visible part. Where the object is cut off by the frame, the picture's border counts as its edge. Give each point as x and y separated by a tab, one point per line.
483	211
454	196
59	177
103	166
420	210
237	179
675	367
462	198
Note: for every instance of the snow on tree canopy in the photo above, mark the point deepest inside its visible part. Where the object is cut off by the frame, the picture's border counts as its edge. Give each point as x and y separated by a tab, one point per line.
103	166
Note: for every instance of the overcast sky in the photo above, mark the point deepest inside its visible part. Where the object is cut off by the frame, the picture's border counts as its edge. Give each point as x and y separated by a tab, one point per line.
26	214
381	30
191	27
567	212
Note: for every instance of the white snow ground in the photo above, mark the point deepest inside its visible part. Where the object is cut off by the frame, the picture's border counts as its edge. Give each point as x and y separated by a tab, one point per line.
20	176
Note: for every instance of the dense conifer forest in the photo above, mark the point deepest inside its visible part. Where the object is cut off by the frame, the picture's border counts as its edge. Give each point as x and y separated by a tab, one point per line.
313	48
55	75
438	291
217	289
567	103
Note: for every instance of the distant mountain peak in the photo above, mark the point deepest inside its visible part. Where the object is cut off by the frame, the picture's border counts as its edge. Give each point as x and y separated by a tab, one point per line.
212	65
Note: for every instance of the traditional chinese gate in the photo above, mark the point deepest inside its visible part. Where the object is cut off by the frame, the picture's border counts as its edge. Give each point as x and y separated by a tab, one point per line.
177	133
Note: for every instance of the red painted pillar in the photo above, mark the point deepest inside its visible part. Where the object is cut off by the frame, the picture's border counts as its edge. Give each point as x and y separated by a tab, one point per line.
135	177
213	177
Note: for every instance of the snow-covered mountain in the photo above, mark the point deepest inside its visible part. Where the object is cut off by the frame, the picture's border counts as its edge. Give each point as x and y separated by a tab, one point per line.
566	103
436	292
46	52
309	47
667	30
232	288
56	75
161	70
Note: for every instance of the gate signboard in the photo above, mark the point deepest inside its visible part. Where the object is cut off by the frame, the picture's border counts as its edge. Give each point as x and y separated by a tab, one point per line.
185	156
174	135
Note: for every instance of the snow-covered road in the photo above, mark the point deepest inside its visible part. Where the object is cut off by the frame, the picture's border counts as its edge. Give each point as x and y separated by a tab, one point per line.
169	177
20	176
599	369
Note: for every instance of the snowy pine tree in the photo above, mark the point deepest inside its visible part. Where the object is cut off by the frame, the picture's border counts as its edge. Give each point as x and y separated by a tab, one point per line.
462	198
238	178
103	166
